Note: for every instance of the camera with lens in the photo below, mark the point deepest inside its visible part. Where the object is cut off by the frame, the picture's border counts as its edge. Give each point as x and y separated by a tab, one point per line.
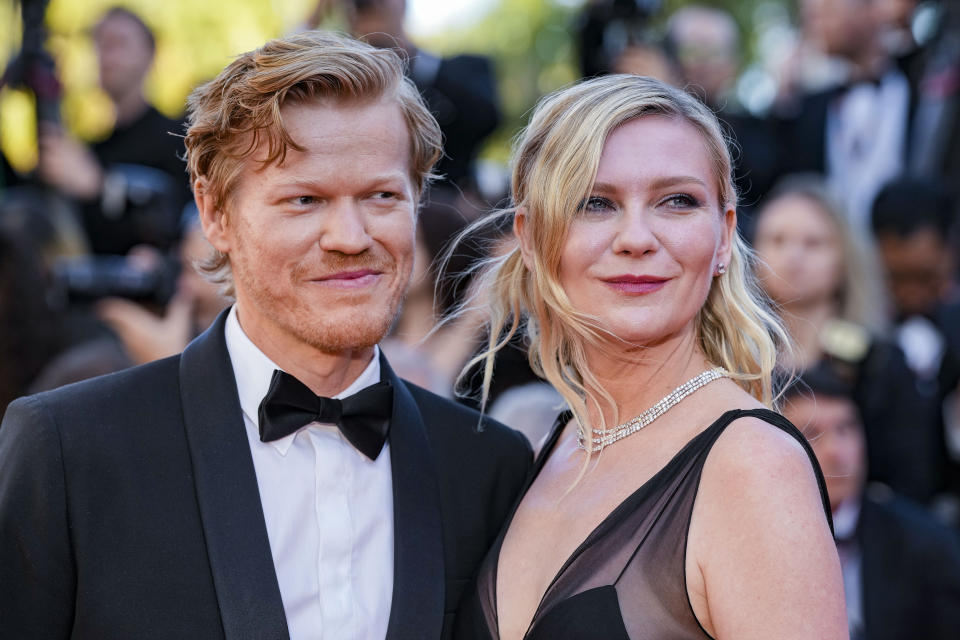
90	278
138	205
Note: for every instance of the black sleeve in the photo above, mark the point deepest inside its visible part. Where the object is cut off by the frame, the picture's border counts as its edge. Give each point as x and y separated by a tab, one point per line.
944	594
902	426
37	575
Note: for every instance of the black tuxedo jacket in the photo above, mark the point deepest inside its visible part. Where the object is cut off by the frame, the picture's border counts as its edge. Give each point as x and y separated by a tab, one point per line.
910	572
805	135
129	507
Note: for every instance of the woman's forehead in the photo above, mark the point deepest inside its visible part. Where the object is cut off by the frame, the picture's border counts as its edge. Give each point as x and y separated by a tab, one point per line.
657	149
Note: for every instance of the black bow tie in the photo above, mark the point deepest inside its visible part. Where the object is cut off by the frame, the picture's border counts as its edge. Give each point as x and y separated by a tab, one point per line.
363	418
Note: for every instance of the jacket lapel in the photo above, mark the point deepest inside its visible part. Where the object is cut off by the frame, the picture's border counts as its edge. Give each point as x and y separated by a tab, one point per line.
227	493
875	587
418	580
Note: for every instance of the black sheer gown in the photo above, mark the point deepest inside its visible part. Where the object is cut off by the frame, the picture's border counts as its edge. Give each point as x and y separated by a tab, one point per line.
627	580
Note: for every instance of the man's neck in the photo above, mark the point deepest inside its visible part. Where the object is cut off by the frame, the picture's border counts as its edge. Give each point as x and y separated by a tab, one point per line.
325	373
869	64
805	322
130	107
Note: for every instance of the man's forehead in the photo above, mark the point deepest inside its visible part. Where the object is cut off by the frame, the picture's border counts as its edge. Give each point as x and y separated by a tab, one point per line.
332	127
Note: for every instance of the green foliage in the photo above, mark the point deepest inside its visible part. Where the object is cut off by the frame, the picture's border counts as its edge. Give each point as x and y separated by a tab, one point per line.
532	44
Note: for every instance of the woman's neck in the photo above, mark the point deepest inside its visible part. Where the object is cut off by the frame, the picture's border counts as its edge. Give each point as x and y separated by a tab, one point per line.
805	323
636	378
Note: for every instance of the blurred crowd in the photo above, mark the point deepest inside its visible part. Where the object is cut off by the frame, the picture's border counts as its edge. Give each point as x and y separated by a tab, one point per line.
847	186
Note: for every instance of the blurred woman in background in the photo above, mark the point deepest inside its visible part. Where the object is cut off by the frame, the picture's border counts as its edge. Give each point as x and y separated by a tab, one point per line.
828	288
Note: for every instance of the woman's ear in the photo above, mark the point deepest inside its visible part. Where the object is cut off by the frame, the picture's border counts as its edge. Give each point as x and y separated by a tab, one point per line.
212	220
727	232
522	232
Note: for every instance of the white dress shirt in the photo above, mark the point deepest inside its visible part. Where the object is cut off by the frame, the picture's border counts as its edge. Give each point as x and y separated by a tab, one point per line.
866	142
845	520
328	510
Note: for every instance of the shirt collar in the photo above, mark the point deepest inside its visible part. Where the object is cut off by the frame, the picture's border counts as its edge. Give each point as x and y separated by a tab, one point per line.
253	371
845	519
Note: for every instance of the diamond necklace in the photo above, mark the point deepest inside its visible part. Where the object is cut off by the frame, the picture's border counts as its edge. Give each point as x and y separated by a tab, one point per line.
606	437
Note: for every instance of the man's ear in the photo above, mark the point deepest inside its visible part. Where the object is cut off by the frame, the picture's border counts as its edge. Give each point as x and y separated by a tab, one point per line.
212	220
522	232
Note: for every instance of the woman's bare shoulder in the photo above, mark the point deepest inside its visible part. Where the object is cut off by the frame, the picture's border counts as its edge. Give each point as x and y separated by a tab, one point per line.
760	535
770	470
753	449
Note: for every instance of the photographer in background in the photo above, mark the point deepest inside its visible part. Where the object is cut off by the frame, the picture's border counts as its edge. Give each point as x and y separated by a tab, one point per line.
196	301
132	186
916	235
143	330
29	330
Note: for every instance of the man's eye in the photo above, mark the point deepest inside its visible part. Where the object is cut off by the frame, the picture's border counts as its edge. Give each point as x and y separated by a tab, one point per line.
304	200
384	195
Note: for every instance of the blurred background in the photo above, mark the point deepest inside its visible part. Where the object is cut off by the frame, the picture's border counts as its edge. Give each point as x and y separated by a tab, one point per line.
534	44
843	118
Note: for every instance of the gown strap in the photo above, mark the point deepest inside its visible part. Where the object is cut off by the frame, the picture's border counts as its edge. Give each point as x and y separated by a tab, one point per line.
779	421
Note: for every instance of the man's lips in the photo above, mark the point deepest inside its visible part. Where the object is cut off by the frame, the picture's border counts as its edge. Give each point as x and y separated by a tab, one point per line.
354	279
636	284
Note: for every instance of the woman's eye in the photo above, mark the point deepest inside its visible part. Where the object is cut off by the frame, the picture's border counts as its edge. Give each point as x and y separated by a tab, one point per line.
384	195
681	201
596	204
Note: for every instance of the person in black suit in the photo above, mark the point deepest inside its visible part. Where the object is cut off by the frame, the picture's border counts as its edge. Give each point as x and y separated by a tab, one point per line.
901	568
883	116
460	91
276	479
913	225
130	187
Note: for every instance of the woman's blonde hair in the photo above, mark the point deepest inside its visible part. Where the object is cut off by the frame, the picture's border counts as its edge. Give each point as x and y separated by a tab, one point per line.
555	163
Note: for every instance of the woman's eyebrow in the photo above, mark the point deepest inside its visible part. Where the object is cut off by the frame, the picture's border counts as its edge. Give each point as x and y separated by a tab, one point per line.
657	183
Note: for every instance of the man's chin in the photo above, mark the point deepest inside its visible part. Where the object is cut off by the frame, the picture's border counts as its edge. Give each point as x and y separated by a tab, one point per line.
349	332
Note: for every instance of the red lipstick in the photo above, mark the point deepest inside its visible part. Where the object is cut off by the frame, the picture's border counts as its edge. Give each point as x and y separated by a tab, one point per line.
636	285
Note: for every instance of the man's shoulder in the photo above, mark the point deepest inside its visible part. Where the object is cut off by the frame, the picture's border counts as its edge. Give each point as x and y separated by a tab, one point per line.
121	388
904	518
130	410
451	421
463	417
